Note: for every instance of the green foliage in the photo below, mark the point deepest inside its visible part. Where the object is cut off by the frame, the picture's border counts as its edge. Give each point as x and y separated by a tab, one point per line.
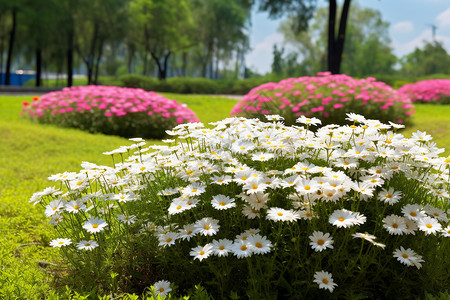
431	59
366	49
145	239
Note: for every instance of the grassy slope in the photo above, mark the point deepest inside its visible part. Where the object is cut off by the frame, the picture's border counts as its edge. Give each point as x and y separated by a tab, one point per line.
31	152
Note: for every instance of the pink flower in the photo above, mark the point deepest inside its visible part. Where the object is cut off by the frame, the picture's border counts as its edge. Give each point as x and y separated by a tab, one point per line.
338	105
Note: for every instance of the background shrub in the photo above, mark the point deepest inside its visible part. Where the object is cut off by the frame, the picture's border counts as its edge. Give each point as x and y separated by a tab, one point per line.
328	97
112	110
428	91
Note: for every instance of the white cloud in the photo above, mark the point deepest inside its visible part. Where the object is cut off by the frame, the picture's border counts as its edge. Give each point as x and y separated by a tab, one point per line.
402	49
403	27
261	56
443	19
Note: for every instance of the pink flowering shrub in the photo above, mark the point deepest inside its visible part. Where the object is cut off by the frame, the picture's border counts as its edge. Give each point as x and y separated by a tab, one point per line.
426	91
327	97
112	110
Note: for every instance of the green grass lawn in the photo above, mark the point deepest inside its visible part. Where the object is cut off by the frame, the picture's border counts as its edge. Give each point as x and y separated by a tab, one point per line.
31	152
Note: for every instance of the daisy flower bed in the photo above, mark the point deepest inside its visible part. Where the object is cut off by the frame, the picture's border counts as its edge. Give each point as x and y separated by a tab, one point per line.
260	210
435	91
326	96
126	112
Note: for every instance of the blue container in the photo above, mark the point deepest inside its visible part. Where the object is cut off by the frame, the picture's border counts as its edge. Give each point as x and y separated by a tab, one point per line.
17	79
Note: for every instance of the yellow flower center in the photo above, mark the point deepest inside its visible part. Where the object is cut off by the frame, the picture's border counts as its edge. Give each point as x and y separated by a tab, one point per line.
161	290
404	255
76	207
87	245
389	196
55	208
429	226
222	203
280	214
341	219
243	248
179	207
168	240
325	281
202	252
94	226
395	225
308	215
194	190
79	182
413	214
221	247
142	168
244	178
320	242
61	243
258	245
254	187
307	187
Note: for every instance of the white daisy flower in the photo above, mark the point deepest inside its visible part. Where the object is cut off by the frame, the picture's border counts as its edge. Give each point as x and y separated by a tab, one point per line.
87	245
324	280
207	226
320	241
60	242
408	257
251	212
241	249
308	121
57	218
429	225
168	238
127	219
222	247
75	206
390	196
54	207
259	244
222	202
395	224
413	211
162	288
187	232
94	225
345	218
201	252
279	214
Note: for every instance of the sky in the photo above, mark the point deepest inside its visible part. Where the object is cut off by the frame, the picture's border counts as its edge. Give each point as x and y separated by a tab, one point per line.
410	25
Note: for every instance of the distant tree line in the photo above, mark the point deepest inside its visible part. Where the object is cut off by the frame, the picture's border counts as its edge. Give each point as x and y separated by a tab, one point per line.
197	38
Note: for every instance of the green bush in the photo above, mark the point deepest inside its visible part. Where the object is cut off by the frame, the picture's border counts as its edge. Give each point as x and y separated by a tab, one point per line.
260	210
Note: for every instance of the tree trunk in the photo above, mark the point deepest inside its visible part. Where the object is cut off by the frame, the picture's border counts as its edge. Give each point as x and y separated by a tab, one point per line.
336	44
331	35
91	56
70	37
162	68
97	62
341	35
38	66
184	64
12	36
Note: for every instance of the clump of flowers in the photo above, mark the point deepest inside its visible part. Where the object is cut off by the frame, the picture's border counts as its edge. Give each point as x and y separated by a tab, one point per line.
262	210
328	97
112	110
428	91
